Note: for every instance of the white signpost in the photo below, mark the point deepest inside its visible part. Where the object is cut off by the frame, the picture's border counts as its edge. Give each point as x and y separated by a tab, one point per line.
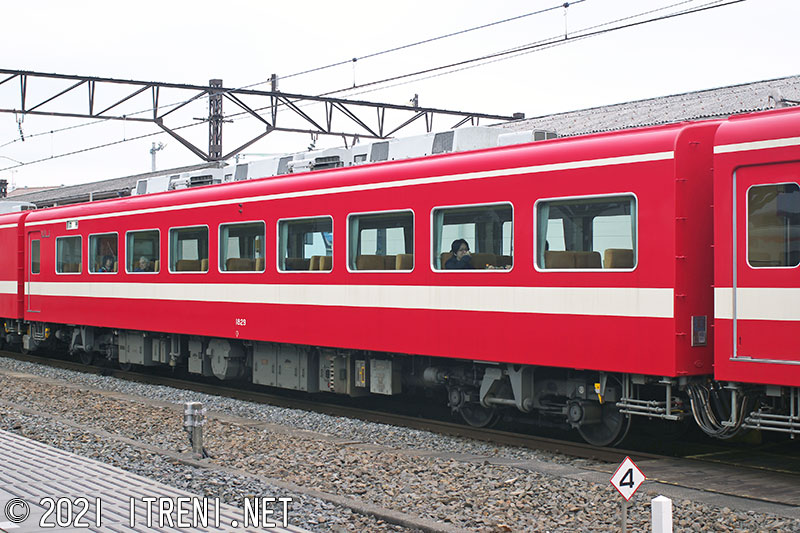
627	479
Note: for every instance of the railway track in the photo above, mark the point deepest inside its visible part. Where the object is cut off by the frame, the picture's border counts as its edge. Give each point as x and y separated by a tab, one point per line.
750	472
494	436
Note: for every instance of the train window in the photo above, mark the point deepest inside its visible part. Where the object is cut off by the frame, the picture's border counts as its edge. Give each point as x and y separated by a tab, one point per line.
381	241
305	244
103	255
773	225
241	247
68	255
35	250
593	233
487	229
188	249
142	251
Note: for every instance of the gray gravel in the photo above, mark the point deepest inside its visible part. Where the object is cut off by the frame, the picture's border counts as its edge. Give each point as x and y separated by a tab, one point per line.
307	512
296	418
468	495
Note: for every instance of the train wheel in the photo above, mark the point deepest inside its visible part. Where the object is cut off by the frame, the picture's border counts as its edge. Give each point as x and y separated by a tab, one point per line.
479	416
125	367
610	430
87	358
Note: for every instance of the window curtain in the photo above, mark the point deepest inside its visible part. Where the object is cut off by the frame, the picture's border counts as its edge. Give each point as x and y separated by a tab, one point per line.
283	244
542	221
438	222
355	237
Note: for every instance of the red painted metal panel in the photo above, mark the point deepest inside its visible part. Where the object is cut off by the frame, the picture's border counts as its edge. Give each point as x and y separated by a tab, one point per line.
11	264
672	194
760	345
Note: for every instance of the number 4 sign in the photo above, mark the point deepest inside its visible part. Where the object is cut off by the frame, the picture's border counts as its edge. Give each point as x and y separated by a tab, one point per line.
628	478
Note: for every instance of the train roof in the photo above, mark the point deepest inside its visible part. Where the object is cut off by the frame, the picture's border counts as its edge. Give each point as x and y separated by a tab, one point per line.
754	127
12	219
595	146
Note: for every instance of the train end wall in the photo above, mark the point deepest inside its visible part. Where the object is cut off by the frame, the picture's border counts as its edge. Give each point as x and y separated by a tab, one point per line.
694	267
12	266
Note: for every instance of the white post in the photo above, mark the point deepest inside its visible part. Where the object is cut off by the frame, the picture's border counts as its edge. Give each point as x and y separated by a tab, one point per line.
624	516
662	514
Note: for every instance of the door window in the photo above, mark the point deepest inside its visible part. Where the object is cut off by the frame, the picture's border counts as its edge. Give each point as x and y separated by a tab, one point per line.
773	225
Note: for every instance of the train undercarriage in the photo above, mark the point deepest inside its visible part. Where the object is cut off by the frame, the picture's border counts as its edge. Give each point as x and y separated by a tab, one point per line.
599	405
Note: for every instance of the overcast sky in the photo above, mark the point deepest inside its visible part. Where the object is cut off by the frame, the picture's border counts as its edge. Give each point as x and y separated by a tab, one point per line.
243	42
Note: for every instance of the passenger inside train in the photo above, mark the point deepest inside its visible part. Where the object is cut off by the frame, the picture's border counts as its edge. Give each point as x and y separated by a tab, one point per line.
144	265
461	258
108	264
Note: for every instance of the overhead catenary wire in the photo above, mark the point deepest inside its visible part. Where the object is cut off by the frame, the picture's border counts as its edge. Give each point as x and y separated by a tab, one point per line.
468	63
330	65
536	46
506	54
522	50
424	41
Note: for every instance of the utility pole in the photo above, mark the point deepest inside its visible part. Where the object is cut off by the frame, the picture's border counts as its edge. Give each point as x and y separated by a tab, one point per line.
215	122
273	102
153	151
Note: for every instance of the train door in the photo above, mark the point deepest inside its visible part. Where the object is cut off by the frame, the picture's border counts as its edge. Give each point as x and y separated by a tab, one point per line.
766	272
33	271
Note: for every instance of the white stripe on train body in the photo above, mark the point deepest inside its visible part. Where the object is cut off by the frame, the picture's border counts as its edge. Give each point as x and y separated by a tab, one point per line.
595	301
758	303
8	287
757	145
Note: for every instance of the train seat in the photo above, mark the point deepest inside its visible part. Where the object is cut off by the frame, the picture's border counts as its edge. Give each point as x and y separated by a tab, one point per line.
239	264
313	264
290	263
588	260
483	260
618	258
569	259
70	267
371	262
559	259
188	265
326	262
404	262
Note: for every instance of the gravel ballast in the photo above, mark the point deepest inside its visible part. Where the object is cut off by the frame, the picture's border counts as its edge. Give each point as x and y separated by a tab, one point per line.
333	463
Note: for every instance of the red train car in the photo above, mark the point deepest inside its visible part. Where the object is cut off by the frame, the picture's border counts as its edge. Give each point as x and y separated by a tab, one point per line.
757	254
12	236
588	295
